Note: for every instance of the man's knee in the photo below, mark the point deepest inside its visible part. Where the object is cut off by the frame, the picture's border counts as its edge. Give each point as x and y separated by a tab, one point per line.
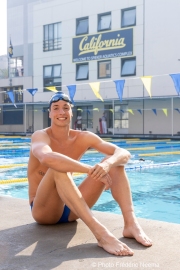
118	170
60	175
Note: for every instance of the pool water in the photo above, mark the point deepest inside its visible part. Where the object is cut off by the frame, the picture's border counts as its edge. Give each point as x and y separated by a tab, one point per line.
155	182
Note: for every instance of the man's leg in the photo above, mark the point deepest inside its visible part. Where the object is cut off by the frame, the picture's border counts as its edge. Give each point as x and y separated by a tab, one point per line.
122	194
72	197
92	189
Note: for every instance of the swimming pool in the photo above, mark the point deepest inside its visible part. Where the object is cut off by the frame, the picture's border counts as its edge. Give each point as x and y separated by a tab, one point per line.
155	182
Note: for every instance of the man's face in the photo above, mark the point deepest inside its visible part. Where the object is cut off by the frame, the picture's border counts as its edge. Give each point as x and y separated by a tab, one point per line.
60	113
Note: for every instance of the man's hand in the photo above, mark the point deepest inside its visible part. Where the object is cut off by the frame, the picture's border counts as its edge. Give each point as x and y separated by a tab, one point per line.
100	172
107	181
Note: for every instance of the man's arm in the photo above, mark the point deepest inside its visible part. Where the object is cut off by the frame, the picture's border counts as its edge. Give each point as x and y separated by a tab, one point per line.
41	149
116	156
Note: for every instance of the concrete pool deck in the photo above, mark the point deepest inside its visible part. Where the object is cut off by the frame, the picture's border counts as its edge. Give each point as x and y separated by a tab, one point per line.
27	245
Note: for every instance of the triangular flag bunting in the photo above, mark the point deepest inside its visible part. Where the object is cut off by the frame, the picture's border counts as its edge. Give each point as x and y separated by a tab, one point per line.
155	112
176	80
111	110
11	96
140	111
32	91
177	110
96	109
131	111
52	88
80	109
165	111
72	91
147	83
95	87
119	88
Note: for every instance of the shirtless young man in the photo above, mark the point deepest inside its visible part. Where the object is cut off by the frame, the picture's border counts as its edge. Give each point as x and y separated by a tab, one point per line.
53	196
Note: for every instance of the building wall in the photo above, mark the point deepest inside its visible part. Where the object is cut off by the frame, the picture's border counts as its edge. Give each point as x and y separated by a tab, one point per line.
67	13
156	47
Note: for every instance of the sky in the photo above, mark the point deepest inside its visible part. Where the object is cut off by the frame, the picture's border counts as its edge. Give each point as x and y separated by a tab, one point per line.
3	27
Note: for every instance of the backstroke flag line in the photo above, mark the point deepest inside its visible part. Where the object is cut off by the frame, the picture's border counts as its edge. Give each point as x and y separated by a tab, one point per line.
155	111
32	91
72	91
147	83
52	88
131	111
95	87
165	111
119	88
176	80
11	96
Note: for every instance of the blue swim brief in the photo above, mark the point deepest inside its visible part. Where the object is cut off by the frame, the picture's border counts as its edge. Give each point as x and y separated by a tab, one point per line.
65	215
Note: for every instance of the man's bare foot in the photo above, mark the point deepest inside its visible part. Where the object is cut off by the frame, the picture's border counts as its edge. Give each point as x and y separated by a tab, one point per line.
112	245
135	231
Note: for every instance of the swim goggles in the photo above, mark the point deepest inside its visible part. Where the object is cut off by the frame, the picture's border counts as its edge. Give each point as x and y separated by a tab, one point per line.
59	96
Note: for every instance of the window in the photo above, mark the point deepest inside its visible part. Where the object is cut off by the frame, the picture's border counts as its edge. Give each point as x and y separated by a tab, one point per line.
16	67
52	76
87	116
128	66
12	115
82	26
18	94
104	21
109	115
121	117
104	69
82	71
128	17
52	37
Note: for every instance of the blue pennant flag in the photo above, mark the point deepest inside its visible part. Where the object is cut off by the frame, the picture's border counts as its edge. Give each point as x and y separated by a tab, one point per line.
177	110
139	111
10	49
119	88
32	91
155	112
72	91
11	96
176	80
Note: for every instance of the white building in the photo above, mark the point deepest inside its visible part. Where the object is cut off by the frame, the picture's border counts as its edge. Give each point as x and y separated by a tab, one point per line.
60	43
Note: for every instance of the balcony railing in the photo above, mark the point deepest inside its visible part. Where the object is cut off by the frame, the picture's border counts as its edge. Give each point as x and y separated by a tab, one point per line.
52	44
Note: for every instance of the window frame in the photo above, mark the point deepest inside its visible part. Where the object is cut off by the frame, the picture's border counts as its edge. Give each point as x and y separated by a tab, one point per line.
58	84
77	22
77	68
122	19
12	115
16	68
98	68
121	116
17	93
87	119
99	18
47	42
123	60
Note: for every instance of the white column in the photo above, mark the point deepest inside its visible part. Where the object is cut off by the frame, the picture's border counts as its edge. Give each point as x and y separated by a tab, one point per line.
172	122
25	118
113	114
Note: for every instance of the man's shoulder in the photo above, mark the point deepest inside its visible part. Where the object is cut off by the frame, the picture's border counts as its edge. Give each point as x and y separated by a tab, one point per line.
87	135
41	132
